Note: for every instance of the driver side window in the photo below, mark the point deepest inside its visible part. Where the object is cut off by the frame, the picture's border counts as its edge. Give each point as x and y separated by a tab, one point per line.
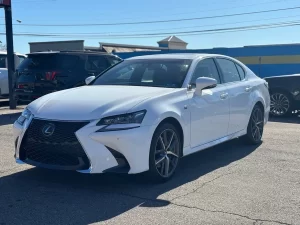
205	68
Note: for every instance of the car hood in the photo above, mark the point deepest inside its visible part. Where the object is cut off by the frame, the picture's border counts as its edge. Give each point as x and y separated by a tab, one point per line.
92	102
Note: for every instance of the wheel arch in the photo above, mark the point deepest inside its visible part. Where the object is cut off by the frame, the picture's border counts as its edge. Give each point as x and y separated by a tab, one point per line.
175	122
260	104
280	89
258	98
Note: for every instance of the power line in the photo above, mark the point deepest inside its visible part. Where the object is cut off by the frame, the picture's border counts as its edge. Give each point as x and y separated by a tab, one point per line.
207	33
213	10
184	33
176	28
183	13
161	21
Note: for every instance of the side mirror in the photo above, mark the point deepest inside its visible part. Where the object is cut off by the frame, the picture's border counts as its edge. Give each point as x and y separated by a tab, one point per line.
205	83
89	79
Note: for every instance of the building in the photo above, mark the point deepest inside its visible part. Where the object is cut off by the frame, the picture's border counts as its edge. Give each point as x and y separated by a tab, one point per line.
77	45
171	42
264	60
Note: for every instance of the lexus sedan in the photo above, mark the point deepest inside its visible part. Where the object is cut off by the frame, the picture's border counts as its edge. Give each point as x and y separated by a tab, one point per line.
144	114
285	94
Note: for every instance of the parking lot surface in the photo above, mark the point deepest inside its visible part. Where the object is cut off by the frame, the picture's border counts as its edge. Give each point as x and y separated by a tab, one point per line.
229	184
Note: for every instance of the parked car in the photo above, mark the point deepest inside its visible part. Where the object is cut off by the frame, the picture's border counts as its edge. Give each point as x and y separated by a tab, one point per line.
285	94
144	114
4	90
45	72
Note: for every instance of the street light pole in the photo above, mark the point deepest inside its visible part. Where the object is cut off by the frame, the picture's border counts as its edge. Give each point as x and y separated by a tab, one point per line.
10	56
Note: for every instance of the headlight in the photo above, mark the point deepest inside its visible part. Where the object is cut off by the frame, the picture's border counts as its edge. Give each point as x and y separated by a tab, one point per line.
122	122
25	116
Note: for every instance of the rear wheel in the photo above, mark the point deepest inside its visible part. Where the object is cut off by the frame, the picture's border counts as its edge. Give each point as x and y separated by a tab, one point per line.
281	104
255	126
164	152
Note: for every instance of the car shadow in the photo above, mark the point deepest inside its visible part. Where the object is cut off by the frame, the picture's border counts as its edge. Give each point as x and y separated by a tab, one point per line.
7	119
294	118
37	196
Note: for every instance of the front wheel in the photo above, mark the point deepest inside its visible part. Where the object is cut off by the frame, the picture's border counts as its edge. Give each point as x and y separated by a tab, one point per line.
164	152
255	126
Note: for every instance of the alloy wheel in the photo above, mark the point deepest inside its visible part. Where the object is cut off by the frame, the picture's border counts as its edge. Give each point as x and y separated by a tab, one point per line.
167	153
280	104
257	124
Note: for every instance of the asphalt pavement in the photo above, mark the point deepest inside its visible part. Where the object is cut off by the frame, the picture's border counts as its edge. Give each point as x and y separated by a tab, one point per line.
229	184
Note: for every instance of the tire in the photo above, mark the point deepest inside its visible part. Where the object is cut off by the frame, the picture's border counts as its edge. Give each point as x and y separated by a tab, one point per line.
165	152
281	104
255	126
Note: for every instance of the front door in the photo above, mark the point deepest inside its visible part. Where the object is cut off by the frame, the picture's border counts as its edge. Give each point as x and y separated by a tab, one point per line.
210	110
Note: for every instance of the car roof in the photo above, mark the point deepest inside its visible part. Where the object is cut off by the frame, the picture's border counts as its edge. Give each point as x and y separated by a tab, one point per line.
70	52
175	56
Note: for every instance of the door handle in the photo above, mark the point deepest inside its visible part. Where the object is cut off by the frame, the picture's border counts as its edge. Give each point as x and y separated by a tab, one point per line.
248	89
224	95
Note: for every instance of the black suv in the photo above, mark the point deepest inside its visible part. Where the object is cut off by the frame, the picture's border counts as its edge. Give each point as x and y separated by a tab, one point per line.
284	93
45	72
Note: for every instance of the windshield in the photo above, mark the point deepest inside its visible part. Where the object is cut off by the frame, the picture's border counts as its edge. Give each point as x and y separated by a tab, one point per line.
169	73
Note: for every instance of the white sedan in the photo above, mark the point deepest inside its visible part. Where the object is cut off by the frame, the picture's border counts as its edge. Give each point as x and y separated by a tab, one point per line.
144	114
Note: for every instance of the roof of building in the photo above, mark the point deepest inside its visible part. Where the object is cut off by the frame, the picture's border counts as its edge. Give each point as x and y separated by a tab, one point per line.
129	46
270	45
111	47
55	42
173	39
174	56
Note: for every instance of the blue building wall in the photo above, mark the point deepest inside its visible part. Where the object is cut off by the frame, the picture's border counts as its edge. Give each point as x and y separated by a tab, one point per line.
269	60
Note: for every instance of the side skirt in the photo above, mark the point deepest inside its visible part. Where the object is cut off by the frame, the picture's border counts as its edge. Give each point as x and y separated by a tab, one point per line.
189	150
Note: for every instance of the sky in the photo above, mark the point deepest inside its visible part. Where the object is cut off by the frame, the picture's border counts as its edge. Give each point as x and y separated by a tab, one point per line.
57	12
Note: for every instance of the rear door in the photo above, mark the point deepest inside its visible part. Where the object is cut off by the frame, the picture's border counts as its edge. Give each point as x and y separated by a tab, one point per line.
233	76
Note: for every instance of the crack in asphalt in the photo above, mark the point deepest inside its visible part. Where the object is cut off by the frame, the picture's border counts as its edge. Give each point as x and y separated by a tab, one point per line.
233	214
160	201
204	184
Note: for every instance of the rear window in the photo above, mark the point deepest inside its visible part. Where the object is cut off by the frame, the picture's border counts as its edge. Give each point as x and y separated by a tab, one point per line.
49	62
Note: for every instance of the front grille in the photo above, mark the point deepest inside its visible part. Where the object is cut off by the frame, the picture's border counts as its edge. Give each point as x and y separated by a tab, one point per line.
59	150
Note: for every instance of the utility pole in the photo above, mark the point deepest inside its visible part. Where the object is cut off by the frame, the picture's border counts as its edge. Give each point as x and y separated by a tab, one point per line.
10	51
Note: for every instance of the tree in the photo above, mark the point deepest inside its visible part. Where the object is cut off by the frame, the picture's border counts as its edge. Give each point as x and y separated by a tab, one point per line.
2	46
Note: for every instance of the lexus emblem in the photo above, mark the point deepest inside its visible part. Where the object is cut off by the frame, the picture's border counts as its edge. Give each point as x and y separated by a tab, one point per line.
48	129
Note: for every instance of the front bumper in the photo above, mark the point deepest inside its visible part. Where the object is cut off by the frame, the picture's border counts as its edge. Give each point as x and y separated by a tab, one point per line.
107	151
